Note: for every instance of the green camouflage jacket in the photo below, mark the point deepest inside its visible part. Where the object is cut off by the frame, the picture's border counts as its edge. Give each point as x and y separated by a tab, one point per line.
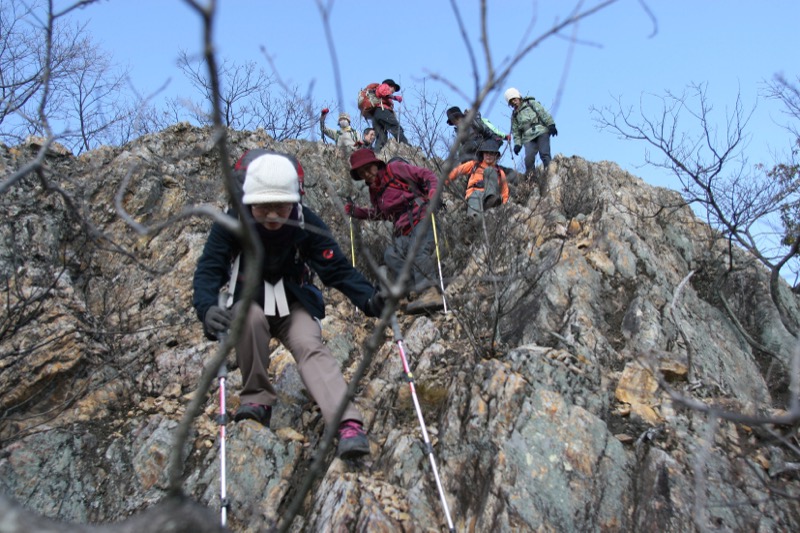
529	121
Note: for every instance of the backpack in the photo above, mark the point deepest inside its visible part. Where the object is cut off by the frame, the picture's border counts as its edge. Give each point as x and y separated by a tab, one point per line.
529	101
420	198
398	183
403	184
398	158
368	100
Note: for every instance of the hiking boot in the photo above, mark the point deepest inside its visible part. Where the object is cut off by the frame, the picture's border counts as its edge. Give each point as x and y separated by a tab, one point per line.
353	441
492	200
427	301
254	411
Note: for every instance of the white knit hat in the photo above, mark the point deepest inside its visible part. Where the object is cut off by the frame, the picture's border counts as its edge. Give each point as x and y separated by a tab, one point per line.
511	94
271	178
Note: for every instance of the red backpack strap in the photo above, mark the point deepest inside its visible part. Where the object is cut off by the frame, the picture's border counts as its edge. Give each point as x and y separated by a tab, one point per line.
402	183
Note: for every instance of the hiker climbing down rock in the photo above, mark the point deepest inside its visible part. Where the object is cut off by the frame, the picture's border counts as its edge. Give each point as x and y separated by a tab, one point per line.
287	305
486	182
401	192
531	127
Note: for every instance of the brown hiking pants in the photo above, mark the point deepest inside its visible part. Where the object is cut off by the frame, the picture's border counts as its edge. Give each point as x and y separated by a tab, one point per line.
301	334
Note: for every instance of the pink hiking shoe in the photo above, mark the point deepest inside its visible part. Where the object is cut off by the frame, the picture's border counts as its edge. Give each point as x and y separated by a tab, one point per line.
353	441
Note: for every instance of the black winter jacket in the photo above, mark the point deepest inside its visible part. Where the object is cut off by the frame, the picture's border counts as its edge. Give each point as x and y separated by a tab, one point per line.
287	260
478	133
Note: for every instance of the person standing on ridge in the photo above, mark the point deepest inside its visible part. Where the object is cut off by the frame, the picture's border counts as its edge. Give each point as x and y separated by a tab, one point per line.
401	193
531	126
384	119
345	137
287	305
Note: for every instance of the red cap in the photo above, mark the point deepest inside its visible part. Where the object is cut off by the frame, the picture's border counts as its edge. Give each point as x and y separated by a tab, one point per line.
361	158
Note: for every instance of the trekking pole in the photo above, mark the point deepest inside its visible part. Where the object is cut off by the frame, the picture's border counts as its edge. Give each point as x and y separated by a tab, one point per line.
513	159
352	251
352	243
505	147
222	420
426	441
438	261
352	239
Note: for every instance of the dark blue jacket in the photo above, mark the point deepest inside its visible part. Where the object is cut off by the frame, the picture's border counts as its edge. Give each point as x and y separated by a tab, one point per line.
288	260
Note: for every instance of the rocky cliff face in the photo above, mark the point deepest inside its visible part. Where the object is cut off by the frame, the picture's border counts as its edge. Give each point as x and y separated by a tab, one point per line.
574	322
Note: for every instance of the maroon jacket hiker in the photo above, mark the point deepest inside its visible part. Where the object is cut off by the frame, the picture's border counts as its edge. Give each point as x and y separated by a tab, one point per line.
400	192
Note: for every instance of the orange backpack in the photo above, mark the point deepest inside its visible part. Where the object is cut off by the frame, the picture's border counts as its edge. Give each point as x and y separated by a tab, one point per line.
368	100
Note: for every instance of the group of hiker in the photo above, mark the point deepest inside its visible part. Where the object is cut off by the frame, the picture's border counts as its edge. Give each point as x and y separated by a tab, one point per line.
531	126
296	242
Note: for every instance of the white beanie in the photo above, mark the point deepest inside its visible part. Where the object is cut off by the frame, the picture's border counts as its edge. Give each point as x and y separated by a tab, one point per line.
271	178
511	94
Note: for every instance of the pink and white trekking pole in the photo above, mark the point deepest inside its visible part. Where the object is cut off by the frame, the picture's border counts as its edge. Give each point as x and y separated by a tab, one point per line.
426	441
222	420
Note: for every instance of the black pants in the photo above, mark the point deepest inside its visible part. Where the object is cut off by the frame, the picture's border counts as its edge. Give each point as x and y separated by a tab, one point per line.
385	121
540	145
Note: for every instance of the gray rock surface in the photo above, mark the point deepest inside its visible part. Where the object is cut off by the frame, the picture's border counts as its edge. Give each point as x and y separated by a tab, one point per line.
539	387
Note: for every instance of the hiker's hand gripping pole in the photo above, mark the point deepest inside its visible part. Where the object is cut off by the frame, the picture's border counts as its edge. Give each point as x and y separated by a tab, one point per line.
409	377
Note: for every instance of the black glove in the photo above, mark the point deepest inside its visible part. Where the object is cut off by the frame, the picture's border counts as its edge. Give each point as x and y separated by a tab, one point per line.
374	306
217	319
517	149
552	129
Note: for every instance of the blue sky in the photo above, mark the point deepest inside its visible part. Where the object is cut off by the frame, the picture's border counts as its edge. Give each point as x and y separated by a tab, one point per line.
732	46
